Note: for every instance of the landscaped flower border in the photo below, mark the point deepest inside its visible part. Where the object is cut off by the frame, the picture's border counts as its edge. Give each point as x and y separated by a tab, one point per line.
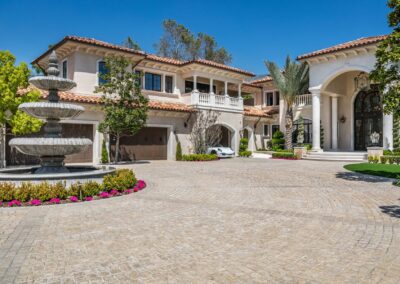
284	155
51	194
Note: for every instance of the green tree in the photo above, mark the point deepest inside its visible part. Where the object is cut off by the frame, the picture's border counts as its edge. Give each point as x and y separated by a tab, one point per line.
178	154
104	153
291	82
180	43
130	43
12	79
387	67
396	131
125	107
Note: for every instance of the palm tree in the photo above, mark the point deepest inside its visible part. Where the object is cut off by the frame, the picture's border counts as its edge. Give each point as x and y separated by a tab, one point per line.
292	81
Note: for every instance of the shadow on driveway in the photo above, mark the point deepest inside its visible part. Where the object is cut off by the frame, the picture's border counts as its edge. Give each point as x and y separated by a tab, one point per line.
391	210
362	177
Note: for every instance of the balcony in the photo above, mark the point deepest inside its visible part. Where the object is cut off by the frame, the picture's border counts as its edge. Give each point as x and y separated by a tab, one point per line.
207	100
303	100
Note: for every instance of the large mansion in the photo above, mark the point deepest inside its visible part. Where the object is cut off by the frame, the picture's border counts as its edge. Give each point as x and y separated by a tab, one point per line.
337	105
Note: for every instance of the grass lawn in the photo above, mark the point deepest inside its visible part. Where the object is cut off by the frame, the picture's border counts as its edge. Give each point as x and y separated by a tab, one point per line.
383	170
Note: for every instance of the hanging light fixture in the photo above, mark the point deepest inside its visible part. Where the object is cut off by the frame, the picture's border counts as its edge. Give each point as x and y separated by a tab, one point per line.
362	82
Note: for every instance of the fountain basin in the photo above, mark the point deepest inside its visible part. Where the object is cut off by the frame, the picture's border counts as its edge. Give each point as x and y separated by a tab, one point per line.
51	110
45	146
74	174
52	83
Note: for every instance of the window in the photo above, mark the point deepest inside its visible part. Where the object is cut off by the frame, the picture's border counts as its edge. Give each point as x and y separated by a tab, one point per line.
202	88
139	74
65	69
307	126
168	84
266	130
102	70
277	97
152	82
275	128
269	98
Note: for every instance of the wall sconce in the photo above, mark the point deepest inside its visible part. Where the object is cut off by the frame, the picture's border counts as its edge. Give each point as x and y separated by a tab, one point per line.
342	119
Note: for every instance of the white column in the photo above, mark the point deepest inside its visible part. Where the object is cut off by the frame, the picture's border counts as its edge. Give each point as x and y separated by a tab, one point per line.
226	88
211	86
334	122
388	131
163	83
316	111
194	82
239	90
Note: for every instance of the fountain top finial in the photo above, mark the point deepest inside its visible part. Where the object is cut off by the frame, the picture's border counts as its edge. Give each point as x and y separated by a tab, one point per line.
52	70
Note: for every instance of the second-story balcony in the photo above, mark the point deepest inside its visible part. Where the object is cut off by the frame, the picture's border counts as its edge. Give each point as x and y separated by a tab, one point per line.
210	100
303	100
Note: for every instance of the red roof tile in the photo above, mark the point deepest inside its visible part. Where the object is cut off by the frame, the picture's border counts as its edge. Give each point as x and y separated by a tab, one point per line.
254	111
153	57
347	45
96	99
262	80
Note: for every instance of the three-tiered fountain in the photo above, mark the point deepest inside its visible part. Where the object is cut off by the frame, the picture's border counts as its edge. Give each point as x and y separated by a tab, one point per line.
52	147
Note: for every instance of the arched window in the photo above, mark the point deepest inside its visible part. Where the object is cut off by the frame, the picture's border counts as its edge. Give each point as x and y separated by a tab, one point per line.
307	123
102	70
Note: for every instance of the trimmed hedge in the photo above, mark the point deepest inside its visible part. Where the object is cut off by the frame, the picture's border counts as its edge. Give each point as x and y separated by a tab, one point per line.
121	180
245	153
388	160
278	140
199	157
284	155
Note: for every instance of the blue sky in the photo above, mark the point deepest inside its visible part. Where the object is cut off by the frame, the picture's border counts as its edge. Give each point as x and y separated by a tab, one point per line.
252	31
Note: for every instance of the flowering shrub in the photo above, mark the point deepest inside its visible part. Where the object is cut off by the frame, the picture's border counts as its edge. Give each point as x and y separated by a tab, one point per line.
284	155
127	191
14	202
135	189
141	184
104	194
120	180
55	201
89	198
35	202
114	192
73	199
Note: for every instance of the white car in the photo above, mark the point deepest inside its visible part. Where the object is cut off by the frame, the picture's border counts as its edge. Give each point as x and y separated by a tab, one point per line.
221	152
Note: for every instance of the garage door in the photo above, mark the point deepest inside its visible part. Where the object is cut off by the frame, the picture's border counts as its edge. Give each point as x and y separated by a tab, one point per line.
150	143
14	157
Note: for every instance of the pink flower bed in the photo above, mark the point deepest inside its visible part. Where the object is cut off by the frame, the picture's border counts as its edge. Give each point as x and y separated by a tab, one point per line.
140	185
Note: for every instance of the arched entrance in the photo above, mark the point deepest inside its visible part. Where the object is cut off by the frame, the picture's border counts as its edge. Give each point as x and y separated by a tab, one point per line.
219	135
368	118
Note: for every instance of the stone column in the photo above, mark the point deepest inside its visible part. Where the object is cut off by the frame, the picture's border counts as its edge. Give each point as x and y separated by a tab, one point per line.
194	82
211	86
226	88
388	131
334	122
239	90
163	83
316	119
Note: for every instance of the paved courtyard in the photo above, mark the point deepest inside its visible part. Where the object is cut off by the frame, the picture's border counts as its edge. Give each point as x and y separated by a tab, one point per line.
233	221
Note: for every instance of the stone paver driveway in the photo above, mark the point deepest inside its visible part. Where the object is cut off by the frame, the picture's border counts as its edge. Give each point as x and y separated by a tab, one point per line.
233	221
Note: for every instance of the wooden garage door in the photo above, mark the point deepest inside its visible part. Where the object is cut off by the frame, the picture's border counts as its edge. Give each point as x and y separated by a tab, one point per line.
150	143
15	158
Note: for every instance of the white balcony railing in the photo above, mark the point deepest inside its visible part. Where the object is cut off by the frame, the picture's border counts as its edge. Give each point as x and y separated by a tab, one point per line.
303	100
198	99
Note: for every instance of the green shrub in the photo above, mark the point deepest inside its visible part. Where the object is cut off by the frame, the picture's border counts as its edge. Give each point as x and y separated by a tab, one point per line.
284	155
387	153
278	140
245	154
7	191
178	155
244	143
23	192
104	153
41	191
120	180
91	188
307	145
199	157
384	159
75	189
390	160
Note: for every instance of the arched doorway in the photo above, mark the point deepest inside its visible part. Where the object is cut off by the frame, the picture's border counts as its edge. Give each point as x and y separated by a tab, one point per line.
219	135
368	118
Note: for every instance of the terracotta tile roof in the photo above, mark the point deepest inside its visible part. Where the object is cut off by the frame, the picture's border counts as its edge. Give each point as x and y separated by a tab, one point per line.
96	99
153	57
262	80
347	45
219	65
254	111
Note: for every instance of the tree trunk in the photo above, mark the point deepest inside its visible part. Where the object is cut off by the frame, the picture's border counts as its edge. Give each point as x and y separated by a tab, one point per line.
289	128
116	149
